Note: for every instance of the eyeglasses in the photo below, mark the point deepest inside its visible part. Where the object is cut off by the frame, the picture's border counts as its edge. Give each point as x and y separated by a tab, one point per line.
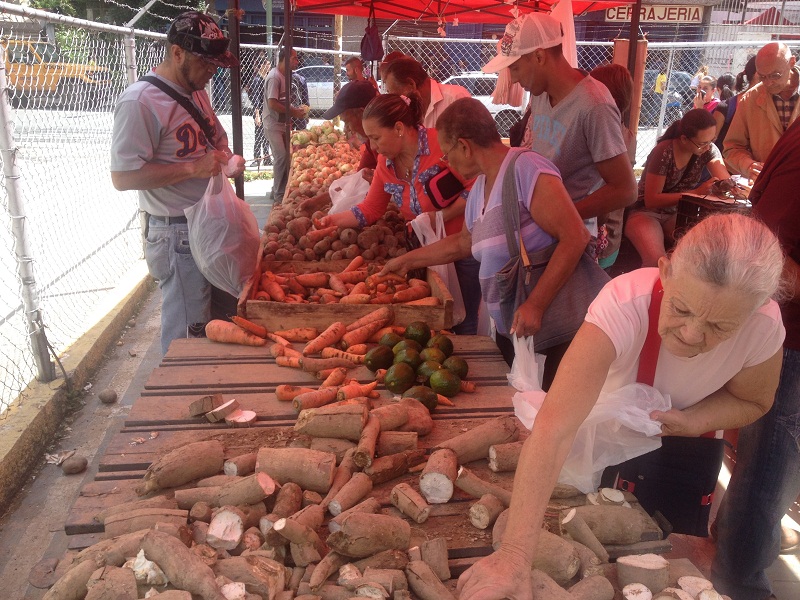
444	156
701	145
777	75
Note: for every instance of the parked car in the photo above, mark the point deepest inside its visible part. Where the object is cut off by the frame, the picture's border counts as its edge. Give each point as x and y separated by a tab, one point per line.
39	76
480	86
319	79
679	97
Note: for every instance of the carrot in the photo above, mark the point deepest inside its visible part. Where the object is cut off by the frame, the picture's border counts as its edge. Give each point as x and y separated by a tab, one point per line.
412	293
336	378
316	235
288	361
277	350
358	349
230	333
353	276
297	287
319	397
324	374
298	334
329	337
361	335
289	351
376	337
295	299
328	299
334	353
380	374
278	339
286	393
312	365
323	291
262	295
359	288
382	298
428	301
250	327
355	299
356	263
274	289
418	282
337	284
468	386
374	280
444	400
355	389
380	314
312	280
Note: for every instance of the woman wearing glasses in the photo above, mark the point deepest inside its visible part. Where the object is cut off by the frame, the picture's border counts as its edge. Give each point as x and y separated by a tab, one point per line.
674	166
412	172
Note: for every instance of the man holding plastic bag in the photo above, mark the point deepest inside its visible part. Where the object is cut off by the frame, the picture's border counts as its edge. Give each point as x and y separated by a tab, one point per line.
702	325
167	143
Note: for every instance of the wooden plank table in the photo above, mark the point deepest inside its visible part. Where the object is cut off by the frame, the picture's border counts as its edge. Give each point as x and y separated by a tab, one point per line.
158	422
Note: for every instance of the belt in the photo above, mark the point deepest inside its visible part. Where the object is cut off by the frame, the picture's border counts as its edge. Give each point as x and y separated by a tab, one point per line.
169	220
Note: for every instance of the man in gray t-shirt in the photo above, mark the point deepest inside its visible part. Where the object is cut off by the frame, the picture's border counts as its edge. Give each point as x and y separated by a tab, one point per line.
574	120
159	149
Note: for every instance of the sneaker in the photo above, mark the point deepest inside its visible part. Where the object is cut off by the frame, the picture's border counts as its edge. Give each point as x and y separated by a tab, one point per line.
255	163
268	160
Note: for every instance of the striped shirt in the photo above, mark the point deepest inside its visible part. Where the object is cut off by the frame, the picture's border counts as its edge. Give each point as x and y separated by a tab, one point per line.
487	225
785	108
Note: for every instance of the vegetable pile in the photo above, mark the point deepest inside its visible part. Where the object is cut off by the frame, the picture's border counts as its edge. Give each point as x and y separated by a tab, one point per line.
317	134
315	167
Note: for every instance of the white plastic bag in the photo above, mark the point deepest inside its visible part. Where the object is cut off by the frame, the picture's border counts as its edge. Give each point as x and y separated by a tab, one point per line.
527	368
347	191
617	429
427	235
223	236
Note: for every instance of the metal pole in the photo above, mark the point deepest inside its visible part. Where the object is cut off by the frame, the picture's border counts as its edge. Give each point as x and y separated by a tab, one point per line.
129	48
236	90
288	45
633	47
140	14
16	209
665	96
783	12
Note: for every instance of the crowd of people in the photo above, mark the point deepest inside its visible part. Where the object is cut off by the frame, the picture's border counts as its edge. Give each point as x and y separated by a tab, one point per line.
727	353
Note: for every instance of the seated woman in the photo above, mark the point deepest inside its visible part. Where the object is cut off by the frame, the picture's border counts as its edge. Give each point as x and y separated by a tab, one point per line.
409	157
673	167
547	215
719	360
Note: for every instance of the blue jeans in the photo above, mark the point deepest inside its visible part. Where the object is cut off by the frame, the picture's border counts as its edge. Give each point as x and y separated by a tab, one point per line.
467	270
185	293
765	482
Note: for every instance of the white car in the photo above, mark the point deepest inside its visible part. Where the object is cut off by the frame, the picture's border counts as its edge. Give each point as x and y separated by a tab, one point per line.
481	85
319	79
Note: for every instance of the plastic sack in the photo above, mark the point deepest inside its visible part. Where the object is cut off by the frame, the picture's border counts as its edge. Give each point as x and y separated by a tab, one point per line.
347	191
427	235
223	236
617	429
528	367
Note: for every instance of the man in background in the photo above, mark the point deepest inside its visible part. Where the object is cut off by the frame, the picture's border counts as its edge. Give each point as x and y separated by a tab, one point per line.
255	91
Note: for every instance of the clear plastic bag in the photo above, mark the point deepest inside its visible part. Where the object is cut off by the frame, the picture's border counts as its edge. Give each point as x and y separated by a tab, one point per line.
427	235
617	429
347	191
527	368
223	236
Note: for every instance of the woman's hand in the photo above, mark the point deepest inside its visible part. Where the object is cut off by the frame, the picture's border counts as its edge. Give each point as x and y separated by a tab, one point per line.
705	187
675	422
314	204
499	575
699	99
397	265
367	174
527	320
330	220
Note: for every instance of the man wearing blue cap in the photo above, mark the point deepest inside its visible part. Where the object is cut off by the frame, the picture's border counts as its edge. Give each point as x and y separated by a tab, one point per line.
162	150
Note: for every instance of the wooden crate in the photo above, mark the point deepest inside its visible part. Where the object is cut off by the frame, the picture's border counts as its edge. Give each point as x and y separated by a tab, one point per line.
282	315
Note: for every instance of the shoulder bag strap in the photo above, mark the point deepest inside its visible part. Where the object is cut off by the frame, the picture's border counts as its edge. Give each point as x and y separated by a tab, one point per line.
648	359
185	103
511	212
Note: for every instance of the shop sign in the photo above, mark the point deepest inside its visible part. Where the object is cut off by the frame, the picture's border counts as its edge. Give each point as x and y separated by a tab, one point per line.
658	14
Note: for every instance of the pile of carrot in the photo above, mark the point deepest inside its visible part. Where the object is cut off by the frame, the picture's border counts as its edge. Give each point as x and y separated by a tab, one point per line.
354	285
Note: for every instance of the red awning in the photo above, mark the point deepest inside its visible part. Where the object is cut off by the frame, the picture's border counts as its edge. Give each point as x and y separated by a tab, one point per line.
771	16
466	11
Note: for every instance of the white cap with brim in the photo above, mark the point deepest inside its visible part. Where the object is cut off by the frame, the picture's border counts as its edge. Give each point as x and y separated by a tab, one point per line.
522	36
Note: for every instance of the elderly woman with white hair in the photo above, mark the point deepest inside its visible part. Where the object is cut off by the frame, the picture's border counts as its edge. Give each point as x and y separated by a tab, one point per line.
719	359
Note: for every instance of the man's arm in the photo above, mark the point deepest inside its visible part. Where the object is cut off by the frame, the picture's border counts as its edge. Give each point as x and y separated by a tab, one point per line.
151	176
737	144
618	192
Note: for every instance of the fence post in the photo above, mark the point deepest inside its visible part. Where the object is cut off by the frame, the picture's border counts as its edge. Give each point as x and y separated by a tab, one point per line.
665	96
16	209
129	46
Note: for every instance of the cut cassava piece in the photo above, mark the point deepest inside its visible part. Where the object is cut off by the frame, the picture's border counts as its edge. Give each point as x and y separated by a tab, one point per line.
363	534
392	442
614	524
287	502
637	591
182	465
336	446
310	516
391	416
187	498
241	418
351	493
671	593
112	582
504	457
183	568
579	531
226	528
143	518
474	444
476	487
651	570
329	565
419	417
309	469
370	505
387	559
409	502
595	587
694	585
241	465
219	413
125	507
590	564
434	553
391	580
365	451
247	490
438	476
205	404
485	511
339	421
342	475
386	468
72	584
260	575
424	583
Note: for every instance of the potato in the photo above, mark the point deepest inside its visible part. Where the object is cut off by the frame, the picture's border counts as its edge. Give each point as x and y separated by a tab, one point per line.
337	255
74	465
299	226
322	246
269	257
367	238
349	236
299	256
310	254
304	242
272	228
318	215
283	254
352	251
368	255
337	245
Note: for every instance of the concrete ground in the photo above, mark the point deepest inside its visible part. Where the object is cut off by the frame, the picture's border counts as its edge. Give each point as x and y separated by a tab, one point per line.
32	530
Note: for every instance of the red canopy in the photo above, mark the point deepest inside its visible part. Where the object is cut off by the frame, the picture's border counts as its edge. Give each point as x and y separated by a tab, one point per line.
466	11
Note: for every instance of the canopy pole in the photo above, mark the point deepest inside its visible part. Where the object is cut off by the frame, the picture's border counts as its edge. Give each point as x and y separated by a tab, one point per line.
236	90
634	37
287	69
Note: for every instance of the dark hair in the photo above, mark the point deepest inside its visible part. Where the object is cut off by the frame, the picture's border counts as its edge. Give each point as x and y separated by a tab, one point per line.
388	109
693	121
618	81
282	53
725	85
354	59
555	50
405	69
468	118
745	78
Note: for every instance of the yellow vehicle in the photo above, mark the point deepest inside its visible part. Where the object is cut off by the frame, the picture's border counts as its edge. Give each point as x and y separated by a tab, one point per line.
39	76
